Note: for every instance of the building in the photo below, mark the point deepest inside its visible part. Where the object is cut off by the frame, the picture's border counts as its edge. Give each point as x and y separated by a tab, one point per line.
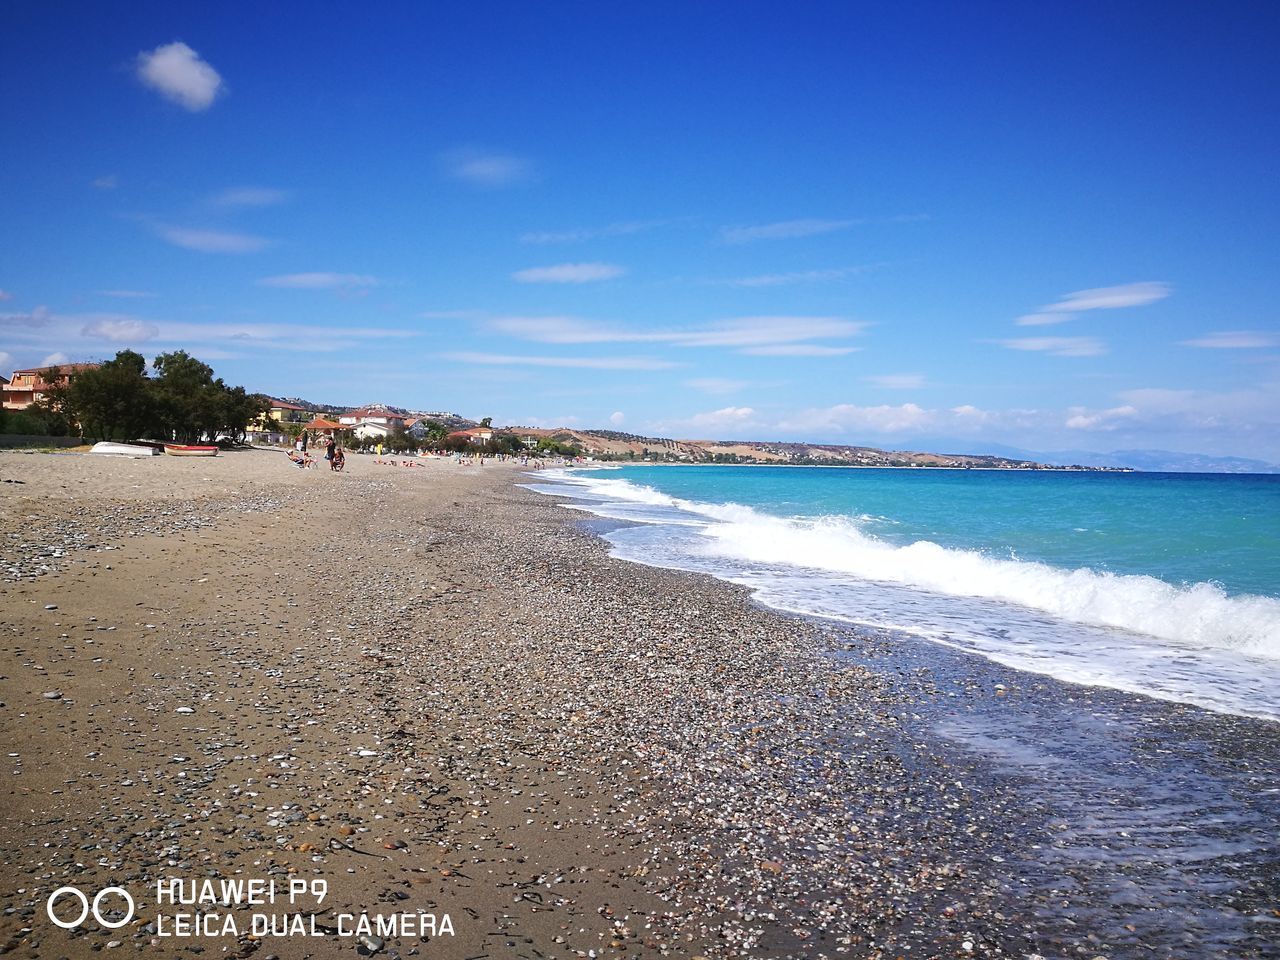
373	422
270	428
478	436
30	386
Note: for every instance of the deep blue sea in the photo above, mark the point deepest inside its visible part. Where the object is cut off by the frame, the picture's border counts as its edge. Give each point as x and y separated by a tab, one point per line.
1161	584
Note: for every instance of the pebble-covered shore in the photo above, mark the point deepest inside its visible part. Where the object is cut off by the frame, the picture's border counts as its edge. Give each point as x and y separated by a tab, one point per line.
430	688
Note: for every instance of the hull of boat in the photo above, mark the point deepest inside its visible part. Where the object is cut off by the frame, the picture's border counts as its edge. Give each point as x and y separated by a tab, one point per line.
108	448
185	450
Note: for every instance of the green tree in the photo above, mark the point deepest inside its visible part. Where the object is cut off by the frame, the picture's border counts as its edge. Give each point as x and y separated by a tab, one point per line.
112	401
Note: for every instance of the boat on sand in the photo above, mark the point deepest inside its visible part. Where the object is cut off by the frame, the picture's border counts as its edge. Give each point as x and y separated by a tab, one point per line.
111	448
190	450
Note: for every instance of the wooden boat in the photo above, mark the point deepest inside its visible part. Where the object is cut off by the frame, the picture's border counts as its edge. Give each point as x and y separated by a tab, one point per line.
124	449
190	450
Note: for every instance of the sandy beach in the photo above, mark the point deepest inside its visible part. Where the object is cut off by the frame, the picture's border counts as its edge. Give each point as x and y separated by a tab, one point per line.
435	692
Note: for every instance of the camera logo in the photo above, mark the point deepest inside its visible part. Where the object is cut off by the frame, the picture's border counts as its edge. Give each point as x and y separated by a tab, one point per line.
77	894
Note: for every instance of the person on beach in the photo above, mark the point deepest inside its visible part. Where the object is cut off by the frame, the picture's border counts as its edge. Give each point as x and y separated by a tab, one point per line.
328	449
337	460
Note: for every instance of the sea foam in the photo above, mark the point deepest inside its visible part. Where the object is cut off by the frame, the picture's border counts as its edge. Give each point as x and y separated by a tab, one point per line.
1190	642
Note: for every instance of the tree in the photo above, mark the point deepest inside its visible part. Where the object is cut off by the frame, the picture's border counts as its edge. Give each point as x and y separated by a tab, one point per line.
487	422
112	400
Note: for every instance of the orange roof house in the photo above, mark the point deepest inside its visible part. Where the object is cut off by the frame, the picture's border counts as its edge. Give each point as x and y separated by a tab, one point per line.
31	385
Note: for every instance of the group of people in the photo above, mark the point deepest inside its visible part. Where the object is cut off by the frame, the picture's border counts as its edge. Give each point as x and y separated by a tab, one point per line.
332	453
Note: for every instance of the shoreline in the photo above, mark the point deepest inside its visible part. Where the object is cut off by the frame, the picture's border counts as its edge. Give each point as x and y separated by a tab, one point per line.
584	753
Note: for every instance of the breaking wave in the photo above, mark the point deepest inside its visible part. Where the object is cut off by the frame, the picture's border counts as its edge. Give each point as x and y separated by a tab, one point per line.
830	566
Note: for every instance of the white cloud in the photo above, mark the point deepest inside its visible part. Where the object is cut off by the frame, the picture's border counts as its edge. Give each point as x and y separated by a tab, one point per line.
1058	346
56	330
898	381
799	276
1099	298
6	363
752	334
848	417
620	229
1080	418
54	359
319	281
1043	319
249	197
1110	298
617	418
120	330
726	419
449	314
127	294
551	423
783	230
799	350
485	169
584	363
38	317
1234	340
717	385
569	273
5	295
212	241
108	182
176	72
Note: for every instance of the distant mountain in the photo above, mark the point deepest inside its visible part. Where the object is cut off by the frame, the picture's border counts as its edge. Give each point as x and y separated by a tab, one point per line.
616	445
1155	461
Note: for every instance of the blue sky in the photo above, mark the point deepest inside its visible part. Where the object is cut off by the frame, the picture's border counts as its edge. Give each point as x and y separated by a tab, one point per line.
1046	225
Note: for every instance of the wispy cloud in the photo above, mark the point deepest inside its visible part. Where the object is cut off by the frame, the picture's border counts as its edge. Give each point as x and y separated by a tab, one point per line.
784	230
34	319
723	385
582	363
482	168
799	350
125	330
1110	298
800	276
569	273
177	72
898	381
45	330
1058	346
249	197
5	295
1098	298
1043	319
847	417
319	281
108	182
708	425
1234	340
620	229
1080	418
127	294
739	332
212	241
450	314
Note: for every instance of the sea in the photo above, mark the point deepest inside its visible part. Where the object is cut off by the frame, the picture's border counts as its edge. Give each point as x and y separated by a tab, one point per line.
1161	584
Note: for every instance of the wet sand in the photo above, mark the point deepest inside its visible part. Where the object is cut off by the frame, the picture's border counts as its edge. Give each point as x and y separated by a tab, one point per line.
430	689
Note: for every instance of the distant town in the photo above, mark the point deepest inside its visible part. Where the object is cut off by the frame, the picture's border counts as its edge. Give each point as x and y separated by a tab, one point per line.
36	402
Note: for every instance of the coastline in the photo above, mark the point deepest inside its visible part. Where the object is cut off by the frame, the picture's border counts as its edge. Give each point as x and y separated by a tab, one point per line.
564	751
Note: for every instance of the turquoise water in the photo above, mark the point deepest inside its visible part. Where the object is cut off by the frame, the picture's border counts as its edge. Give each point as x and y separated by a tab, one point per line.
1184	528
1164	584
